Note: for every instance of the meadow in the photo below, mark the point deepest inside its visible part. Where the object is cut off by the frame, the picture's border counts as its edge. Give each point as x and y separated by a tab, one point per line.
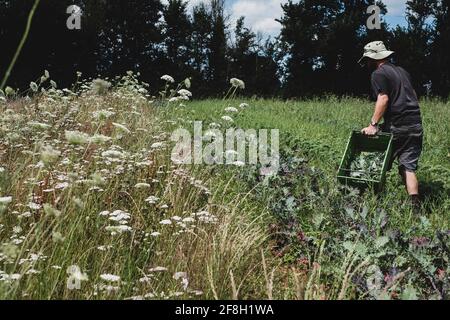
92	207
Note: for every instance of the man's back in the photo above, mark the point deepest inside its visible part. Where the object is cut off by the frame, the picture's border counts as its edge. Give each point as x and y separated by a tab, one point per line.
395	82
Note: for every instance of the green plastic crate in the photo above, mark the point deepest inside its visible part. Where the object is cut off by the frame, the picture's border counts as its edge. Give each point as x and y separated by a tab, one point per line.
358	143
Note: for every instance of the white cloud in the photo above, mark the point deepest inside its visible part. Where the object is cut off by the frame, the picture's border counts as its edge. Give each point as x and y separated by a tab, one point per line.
260	15
191	3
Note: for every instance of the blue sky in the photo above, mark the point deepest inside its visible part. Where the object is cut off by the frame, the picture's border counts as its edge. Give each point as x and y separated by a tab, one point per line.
261	14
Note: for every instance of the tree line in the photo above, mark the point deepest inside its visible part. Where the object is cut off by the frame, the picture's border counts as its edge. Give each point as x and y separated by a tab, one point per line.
315	53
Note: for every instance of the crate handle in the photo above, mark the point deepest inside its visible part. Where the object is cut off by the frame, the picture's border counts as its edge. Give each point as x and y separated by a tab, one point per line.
377	136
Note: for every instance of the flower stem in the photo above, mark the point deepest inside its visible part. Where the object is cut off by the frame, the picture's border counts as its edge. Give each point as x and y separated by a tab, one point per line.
21	44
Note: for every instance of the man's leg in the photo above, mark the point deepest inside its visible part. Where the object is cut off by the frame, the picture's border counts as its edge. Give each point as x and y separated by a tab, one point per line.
411	182
412	186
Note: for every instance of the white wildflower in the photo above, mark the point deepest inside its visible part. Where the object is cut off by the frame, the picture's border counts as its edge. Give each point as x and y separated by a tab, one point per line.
110	277
168	78
187	83
38	125
157	145
165	222
99	139
5	200
34	206
34	87
100	86
76	137
237	83
61	185
227	119
118	229
231	110
102	115
179	275
32	271
119	216
185	93
104	248
49	155
142	185
214	125
184	279
10	277
152	199
157	269
239	163
112	154
243	105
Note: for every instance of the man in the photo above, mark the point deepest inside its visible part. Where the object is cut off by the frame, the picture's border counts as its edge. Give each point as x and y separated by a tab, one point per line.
397	103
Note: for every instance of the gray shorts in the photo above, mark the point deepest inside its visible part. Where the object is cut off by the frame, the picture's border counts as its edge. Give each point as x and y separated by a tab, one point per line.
408	144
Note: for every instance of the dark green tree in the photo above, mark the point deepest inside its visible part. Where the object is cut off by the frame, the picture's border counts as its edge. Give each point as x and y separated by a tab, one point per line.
439	50
343	44
177	30
322	42
217	73
130	37
253	62
412	43
267	83
200	50
304	27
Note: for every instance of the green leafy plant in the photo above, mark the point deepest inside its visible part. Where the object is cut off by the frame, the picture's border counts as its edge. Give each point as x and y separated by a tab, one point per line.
367	165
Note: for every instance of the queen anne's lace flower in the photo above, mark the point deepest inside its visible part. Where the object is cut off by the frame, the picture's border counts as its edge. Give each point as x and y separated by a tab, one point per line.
237	83
227	119
168	78
110	277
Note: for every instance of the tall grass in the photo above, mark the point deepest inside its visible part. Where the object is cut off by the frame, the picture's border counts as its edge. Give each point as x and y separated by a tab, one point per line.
89	194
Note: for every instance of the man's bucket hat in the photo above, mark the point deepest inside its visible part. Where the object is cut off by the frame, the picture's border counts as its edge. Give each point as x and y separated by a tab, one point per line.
376	50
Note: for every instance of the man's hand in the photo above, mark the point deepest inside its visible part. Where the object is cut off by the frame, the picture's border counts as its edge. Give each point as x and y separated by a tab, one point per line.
370	130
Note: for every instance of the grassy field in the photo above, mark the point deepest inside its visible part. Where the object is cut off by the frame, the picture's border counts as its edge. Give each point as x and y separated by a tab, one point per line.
381	236
92	207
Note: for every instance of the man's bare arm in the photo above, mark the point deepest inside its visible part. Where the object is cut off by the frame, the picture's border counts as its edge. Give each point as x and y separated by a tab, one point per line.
380	108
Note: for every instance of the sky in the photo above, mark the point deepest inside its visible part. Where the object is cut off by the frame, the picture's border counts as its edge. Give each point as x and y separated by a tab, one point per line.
260	15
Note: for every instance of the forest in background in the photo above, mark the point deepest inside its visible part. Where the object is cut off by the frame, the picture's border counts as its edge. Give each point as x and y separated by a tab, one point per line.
315	53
